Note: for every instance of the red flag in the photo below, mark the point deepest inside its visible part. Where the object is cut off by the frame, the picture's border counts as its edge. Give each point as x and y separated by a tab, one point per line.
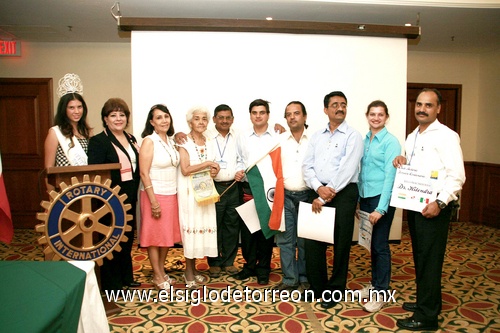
6	227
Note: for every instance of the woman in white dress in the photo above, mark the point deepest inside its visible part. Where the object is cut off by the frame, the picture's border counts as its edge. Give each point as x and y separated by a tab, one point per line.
198	223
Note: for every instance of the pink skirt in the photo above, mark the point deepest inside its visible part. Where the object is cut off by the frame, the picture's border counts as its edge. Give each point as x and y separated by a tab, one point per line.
162	232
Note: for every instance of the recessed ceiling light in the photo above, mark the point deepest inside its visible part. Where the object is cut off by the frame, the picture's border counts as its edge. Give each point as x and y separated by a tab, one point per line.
269	18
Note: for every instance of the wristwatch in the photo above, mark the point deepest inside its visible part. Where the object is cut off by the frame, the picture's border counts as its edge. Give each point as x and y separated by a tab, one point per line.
441	204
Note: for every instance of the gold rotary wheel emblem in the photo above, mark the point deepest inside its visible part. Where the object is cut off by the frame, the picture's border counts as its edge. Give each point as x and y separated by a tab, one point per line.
85	221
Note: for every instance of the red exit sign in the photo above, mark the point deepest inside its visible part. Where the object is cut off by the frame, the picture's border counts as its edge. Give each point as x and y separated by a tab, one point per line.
10	48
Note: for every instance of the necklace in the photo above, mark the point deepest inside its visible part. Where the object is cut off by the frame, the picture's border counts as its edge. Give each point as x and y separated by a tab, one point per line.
176	163
202	152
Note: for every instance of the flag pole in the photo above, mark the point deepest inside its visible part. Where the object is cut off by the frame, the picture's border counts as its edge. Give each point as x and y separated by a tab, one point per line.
247	169
260	159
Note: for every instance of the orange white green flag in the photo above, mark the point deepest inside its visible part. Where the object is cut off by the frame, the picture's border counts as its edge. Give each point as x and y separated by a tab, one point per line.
266	182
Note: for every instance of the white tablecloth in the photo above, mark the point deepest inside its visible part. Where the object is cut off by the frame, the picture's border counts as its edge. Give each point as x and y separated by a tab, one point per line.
93	315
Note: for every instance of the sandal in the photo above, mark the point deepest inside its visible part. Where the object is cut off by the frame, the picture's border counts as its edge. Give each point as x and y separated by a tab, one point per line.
190	284
199	278
169	279
162	286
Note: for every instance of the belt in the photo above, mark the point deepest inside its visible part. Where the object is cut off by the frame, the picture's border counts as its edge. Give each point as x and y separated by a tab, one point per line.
226	183
300	191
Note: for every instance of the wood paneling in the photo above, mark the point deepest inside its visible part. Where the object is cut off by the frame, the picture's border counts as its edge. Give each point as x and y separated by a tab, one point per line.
480	202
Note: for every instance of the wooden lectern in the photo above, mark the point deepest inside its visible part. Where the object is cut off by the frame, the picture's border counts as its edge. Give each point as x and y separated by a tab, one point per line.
58	175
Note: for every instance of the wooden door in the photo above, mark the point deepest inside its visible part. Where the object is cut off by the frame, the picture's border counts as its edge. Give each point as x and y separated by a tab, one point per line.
26	113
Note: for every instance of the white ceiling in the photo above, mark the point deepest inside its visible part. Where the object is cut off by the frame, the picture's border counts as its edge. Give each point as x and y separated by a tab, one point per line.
447	26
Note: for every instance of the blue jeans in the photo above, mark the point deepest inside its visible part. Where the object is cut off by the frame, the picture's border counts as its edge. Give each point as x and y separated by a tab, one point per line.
293	266
380	250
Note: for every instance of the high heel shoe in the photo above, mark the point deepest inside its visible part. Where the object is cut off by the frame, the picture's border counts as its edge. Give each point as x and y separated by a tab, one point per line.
162	285
190	284
170	280
199	278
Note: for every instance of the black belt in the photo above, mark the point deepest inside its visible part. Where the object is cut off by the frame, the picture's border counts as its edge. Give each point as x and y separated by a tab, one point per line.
299	192
229	182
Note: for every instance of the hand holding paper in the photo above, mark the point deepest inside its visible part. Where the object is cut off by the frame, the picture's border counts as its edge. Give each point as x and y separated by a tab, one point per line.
316	226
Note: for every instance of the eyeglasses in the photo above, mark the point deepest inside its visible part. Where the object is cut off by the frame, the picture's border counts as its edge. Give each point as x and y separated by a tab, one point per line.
338	105
224	118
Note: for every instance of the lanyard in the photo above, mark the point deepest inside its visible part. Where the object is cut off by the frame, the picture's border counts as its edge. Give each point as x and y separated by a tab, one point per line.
225	145
414	145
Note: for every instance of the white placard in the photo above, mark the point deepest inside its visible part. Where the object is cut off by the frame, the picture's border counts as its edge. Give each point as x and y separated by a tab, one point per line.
316	226
412	188
248	214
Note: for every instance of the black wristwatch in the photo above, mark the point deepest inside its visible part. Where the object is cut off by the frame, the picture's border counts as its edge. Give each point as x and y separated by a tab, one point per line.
441	204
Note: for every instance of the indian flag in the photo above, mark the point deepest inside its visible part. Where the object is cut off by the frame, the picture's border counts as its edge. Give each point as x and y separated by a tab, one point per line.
6	228
266	181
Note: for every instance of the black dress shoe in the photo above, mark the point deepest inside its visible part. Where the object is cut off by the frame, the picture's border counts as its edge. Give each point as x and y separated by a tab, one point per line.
328	304
134	284
410	306
414	325
307	296
243	275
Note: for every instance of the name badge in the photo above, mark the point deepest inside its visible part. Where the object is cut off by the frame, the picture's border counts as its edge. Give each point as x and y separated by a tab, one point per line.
222	164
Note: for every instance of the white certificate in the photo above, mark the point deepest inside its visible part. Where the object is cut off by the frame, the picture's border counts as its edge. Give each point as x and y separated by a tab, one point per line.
365	230
315	226
412	188
248	214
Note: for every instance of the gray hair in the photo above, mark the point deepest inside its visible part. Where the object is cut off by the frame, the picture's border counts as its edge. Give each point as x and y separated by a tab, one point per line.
197	109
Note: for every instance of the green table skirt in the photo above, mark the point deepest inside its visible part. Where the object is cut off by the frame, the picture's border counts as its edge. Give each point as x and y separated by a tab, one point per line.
40	296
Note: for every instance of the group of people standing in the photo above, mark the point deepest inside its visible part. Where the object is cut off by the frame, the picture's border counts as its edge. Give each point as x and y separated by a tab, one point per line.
333	167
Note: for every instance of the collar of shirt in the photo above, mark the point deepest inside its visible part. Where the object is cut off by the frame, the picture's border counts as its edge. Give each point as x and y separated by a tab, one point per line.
341	128
379	136
213	133
268	131
289	136
432	127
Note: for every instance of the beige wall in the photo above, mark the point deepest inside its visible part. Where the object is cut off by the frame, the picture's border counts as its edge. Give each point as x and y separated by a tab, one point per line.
488	140
451	68
105	69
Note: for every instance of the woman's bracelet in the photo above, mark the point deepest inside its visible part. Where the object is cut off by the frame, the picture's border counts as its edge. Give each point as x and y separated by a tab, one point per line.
156	207
150	186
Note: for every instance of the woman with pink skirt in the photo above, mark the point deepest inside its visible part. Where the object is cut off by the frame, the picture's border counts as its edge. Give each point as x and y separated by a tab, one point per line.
158	160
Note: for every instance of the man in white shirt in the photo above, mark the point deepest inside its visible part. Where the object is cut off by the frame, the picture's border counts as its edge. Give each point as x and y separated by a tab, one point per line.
293	149
253	145
228	220
331	169
435	148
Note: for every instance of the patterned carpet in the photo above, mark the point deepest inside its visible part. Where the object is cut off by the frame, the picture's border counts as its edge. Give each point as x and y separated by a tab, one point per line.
471	292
